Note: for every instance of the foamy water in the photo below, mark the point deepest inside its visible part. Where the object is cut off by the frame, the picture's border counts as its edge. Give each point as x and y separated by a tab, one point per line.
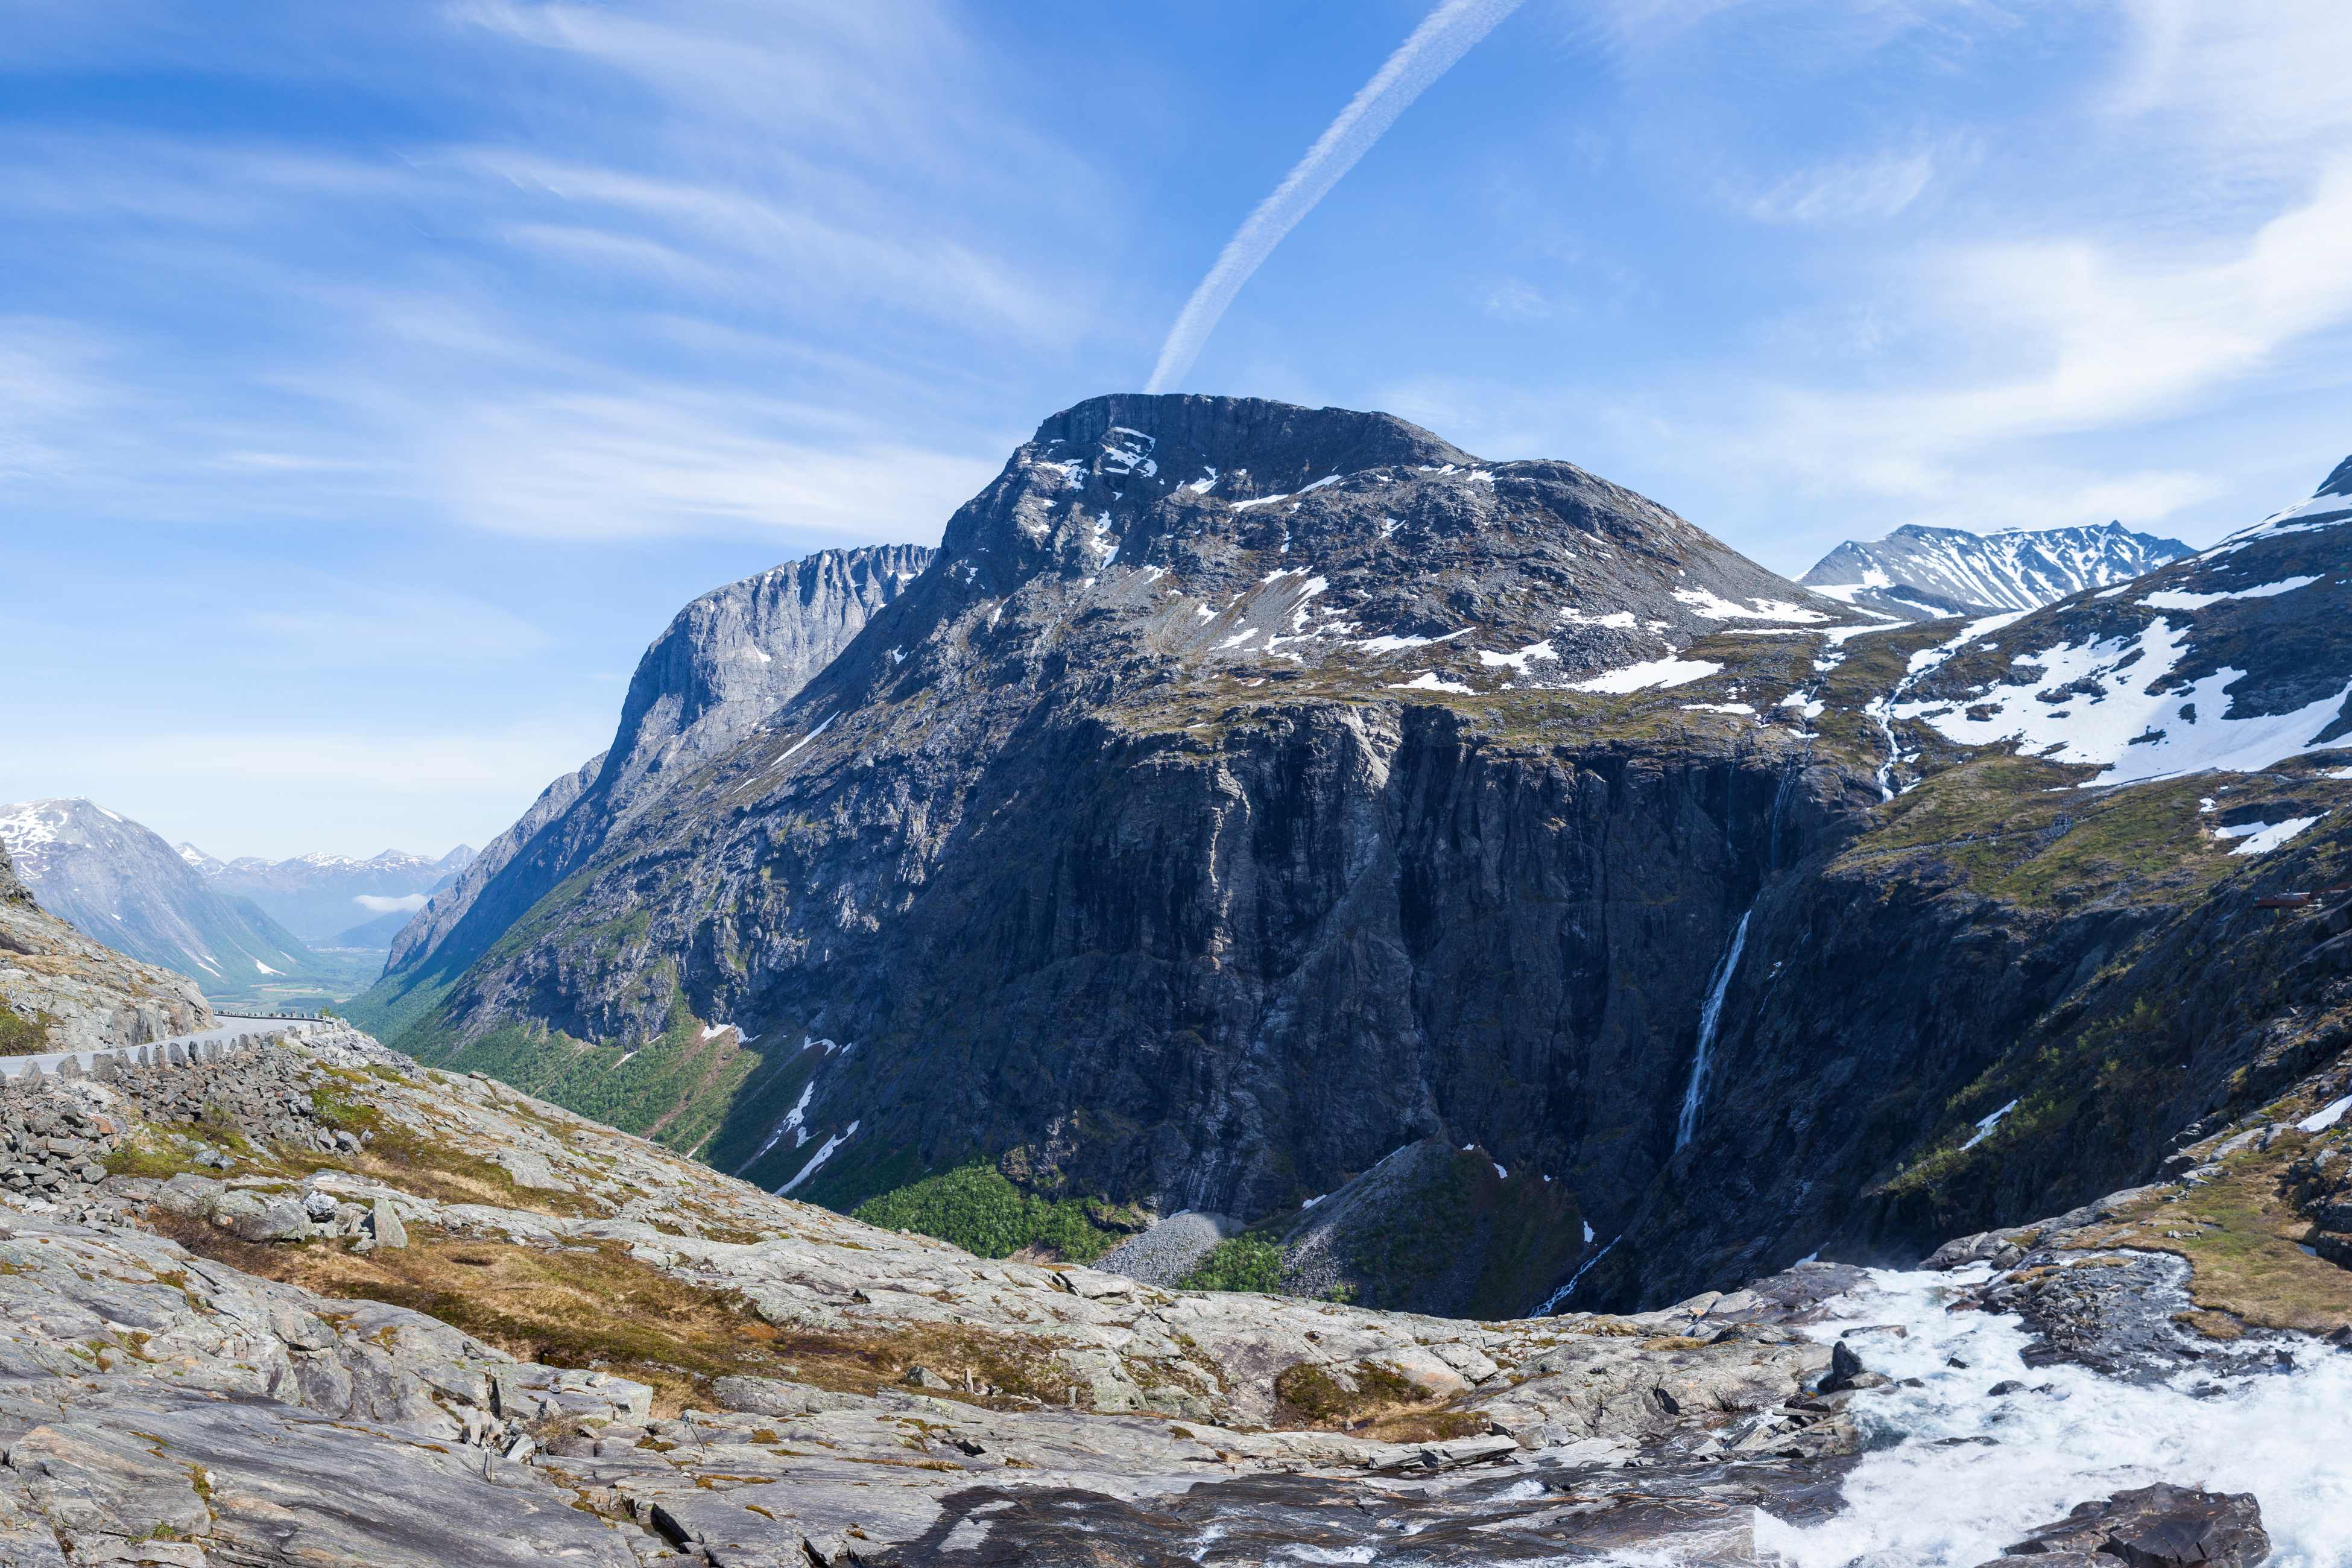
1921	1498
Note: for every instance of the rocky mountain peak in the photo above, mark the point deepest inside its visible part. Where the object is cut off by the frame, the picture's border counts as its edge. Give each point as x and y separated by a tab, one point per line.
736	654
718	671
1075	492
2338	482
1181	437
1235	535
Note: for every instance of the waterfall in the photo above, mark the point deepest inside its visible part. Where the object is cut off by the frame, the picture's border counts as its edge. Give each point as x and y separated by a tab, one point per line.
1709	1016
1565	1291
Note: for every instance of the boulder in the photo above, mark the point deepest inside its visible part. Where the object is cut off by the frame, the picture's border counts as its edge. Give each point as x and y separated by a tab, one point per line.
255	1217
1846	1368
774	1397
1423	1370
385	1223
189	1196
2158	1527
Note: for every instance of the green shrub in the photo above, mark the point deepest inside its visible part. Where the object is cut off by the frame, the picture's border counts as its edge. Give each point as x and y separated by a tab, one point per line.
22	1036
1241	1263
978	1209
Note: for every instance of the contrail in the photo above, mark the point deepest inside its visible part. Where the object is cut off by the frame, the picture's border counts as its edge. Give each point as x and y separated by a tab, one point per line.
1444	35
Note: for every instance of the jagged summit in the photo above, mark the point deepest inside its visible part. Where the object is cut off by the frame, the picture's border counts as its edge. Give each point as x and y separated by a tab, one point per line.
715	673
1919	573
738	652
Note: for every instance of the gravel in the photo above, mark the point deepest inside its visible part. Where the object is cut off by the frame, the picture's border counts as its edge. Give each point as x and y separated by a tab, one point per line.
1169	1250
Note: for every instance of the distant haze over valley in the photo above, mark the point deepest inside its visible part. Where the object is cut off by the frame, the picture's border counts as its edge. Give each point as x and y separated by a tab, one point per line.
250	932
333	900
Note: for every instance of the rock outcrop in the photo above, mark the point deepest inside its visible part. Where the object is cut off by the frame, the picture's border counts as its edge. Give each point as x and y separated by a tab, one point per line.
59	990
2151	1526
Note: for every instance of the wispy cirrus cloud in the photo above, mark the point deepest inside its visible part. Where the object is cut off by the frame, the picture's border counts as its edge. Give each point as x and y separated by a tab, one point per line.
654	461
1863	189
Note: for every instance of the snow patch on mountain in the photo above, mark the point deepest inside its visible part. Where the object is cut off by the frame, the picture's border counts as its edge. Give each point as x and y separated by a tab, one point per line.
2108	704
1649	674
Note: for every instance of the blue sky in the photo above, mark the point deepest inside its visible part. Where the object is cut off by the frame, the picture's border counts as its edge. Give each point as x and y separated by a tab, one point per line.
377	380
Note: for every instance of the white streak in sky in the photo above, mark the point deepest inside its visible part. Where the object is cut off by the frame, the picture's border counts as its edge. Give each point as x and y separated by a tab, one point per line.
1444	35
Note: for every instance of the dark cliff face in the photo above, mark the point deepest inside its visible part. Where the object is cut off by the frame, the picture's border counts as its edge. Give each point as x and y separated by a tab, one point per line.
1145	837
1246	792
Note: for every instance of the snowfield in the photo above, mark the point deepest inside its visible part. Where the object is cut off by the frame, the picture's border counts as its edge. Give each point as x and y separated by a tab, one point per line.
1651	673
2124	727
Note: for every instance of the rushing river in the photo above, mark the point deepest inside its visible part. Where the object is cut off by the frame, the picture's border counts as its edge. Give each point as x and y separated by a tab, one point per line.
1953	1473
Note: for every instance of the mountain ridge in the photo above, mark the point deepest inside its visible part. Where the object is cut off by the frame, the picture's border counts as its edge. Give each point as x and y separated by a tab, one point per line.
61	990
724	661
1205	824
102	873
1918	572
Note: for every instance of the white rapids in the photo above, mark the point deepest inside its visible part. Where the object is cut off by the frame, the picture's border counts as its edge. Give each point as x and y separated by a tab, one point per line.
1932	1492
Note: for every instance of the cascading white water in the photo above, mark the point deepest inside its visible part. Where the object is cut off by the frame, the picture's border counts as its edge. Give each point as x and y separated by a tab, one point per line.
1709	1016
1953	1473
1552	1302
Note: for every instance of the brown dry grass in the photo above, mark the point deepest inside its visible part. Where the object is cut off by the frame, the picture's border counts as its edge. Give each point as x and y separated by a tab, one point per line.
2242	1240
600	1307
1383	1407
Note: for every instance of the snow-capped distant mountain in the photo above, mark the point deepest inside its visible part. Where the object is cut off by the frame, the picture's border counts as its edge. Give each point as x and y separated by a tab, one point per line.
118	883
1922	574
325	898
2234	658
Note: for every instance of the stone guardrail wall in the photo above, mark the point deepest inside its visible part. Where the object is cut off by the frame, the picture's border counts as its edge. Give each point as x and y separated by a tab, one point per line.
180	1051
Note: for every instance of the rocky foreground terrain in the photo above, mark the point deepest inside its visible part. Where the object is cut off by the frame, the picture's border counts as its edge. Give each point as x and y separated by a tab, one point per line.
314	1303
